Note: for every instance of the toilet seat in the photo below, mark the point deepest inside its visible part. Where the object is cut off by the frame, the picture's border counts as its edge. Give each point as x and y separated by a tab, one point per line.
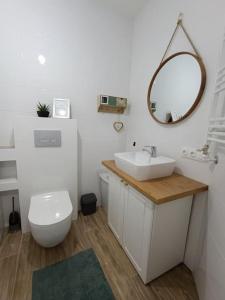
50	208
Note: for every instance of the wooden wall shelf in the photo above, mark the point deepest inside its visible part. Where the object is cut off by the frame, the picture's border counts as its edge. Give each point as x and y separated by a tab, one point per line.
111	109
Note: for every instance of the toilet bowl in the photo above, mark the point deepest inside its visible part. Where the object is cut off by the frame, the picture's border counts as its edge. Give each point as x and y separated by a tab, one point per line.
50	217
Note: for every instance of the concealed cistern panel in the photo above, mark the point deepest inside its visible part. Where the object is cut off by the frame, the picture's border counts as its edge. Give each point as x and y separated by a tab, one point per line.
47	138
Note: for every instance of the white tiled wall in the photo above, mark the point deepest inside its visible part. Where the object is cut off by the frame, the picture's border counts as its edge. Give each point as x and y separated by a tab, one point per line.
87	49
204	21
47	169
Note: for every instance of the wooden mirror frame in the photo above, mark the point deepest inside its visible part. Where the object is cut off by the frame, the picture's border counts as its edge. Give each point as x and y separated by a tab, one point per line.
200	93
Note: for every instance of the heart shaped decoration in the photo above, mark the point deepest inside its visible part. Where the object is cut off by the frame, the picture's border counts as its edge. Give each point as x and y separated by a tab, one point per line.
118	126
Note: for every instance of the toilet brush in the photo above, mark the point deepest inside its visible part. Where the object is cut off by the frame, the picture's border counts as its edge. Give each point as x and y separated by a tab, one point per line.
14	219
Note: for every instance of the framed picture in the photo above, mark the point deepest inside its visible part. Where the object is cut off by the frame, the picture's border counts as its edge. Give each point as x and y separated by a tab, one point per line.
104	99
61	108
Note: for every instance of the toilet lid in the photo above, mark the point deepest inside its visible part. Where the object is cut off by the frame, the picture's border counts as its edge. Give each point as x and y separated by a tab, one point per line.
50	208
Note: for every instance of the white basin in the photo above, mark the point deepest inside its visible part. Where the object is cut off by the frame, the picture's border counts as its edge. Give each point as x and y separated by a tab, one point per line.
143	167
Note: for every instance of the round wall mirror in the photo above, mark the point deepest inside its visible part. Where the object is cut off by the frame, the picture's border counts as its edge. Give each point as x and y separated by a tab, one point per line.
176	88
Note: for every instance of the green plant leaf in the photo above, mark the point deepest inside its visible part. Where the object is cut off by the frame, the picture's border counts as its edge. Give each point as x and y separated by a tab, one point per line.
42	107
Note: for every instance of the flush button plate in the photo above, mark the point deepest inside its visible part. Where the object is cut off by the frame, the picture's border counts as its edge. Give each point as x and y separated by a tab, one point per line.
47	138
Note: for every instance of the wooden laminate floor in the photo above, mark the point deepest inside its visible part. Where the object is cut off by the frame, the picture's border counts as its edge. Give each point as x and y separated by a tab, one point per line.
20	256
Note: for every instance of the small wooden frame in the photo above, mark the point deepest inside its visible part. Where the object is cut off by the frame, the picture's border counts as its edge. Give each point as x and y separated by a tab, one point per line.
111	104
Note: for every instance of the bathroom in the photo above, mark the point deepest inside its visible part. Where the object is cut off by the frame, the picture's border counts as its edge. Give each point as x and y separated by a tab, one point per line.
79	50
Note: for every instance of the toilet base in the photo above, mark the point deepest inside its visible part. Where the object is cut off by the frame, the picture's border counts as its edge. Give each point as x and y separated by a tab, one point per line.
51	235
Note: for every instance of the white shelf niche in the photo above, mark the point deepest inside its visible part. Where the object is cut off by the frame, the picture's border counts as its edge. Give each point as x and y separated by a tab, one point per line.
7	154
8	175
8	184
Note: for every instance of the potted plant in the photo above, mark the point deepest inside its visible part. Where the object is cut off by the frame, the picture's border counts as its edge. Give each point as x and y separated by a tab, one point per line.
43	110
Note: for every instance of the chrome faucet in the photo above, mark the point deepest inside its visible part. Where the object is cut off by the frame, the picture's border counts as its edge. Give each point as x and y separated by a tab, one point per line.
152	150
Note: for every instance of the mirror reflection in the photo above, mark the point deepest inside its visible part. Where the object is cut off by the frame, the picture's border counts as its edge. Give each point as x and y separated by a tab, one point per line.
176	88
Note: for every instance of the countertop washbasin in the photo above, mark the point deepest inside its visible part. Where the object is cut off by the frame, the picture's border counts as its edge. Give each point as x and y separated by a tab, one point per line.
142	166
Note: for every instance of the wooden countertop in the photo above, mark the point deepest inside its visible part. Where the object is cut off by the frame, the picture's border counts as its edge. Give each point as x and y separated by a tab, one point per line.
160	190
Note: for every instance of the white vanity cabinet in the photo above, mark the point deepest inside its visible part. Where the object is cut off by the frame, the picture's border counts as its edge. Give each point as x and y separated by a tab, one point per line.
153	236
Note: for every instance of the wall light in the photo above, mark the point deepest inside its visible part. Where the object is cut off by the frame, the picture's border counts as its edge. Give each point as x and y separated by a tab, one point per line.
41	59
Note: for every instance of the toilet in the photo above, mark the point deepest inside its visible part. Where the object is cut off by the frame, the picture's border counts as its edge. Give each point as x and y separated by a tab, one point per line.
50	217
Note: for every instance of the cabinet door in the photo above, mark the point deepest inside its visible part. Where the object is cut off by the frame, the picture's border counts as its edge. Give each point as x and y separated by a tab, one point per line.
117	193
169	236
134	223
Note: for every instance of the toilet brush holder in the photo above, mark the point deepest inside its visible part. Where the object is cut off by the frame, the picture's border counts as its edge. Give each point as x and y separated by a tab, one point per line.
14	219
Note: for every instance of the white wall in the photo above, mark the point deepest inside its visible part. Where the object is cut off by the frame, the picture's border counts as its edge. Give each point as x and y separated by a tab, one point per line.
204	20
87	50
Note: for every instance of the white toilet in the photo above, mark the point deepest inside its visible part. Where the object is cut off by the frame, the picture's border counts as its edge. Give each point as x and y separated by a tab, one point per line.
50	217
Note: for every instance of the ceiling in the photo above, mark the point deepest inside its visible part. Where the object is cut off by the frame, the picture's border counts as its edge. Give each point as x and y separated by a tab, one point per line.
127	7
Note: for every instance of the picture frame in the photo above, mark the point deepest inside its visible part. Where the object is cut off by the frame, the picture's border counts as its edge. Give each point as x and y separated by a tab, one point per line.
104	99
61	108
